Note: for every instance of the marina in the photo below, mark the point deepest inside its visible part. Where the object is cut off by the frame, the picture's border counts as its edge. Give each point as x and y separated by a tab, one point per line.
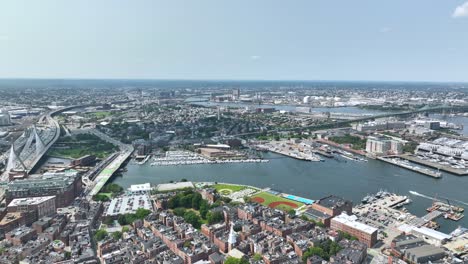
172	158
316	179
407	165
291	149
436	165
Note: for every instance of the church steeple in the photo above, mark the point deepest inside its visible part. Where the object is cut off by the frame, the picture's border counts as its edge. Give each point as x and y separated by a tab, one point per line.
232	239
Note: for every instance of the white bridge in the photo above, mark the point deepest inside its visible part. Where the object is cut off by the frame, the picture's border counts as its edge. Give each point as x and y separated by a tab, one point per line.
30	147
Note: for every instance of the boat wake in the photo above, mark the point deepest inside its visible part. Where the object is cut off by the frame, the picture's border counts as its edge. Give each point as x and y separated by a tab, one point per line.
435	199
422	195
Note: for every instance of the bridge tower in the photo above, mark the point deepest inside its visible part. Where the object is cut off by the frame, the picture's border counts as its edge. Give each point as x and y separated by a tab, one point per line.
40	146
13	159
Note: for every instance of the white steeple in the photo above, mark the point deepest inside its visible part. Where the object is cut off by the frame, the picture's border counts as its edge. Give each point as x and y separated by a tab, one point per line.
232	239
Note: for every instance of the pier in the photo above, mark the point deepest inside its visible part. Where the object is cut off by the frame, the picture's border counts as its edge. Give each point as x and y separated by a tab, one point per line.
441	167
408	166
420	221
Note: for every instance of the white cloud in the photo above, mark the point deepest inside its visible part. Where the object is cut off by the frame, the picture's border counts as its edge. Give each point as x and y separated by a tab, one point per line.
385	29
254	57
461	11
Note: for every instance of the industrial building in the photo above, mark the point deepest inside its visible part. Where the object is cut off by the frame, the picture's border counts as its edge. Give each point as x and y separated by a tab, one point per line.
33	208
380	126
415	250
65	186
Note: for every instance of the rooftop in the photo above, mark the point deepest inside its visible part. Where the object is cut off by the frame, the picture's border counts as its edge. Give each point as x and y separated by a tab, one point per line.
128	204
332	201
350	220
30	201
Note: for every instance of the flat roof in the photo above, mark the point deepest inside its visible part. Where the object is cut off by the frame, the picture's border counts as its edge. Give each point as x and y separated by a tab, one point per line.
30	200
128	204
425	251
431	233
351	220
140	187
332	201
174	186
10	217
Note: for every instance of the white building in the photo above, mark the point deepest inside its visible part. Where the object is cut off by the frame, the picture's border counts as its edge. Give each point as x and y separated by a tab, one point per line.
4	118
383	146
128	204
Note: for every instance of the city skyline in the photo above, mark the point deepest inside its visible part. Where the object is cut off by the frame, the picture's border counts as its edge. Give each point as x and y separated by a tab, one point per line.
208	40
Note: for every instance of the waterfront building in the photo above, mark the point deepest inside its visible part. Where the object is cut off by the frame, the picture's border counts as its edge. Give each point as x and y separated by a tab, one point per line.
144	188
349	224
380	126
383	146
219	154
333	205
415	250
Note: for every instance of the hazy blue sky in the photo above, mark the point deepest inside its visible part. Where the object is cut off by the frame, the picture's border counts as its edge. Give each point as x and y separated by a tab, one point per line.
238	39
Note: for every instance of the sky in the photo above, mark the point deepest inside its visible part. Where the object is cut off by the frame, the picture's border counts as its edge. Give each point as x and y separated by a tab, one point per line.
397	40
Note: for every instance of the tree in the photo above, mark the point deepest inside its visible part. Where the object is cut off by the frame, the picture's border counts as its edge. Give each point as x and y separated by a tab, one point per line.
113	188
100	198
196	200
214	217
179	211
237	228
313	251
232	260
186	201
292	212
192	218
122	220
117	235
100	234
257	257
204	209
108	221
125	229
141	213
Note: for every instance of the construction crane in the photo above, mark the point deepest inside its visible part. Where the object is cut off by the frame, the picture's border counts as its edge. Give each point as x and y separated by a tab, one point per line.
450	206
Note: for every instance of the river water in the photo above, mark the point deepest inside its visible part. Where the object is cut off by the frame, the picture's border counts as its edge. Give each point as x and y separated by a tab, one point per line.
349	179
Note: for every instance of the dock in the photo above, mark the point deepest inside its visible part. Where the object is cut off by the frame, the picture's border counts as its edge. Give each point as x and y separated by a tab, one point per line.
420	221
459	172
424	171
323	153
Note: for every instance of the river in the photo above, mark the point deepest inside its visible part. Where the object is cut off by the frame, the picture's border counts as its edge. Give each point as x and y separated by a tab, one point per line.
349	179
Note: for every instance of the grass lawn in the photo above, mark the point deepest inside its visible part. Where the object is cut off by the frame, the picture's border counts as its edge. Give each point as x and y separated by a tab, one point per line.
101	114
277	202
106	194
233	188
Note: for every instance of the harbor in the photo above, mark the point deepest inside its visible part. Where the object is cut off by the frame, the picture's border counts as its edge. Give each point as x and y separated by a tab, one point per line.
435	165
174	158
291	149
407	165
313	179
